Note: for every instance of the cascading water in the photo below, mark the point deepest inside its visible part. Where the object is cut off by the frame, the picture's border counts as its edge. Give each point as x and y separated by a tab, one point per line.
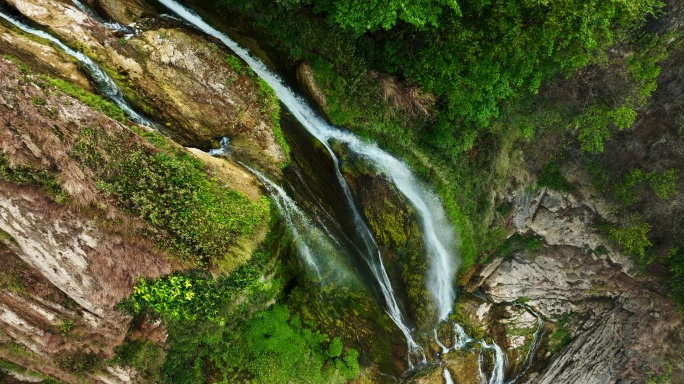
296	220
536	340
114	26
442	266
499	361
104	83
439	343
460	337
447	377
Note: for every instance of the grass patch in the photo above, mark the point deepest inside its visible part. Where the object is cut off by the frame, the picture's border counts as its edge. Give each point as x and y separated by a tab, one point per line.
26	175
94	101
272	107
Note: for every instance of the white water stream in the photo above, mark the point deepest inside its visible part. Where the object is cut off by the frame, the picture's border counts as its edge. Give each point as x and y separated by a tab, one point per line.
104	83
114	26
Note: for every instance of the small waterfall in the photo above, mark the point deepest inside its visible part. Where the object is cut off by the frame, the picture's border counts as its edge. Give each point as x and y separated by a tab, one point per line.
536	340
447	377
460	337
128	31
220	151
296	220
323	132
499	361
104	83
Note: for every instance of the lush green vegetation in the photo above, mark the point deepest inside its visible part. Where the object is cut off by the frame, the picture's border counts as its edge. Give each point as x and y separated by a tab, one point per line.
145	356
632	238
194	216
182	297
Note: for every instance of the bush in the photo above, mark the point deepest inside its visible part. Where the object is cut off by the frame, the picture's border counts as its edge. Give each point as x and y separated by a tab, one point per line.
632	238
549	176
143	355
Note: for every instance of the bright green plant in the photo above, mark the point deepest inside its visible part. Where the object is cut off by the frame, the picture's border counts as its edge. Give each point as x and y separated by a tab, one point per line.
663	184
632	238
65	327
234	63
594	125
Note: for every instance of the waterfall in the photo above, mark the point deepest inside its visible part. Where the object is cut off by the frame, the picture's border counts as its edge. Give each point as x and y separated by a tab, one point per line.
460	337
499	361
322	131
439	343
104	83
536	340
296	220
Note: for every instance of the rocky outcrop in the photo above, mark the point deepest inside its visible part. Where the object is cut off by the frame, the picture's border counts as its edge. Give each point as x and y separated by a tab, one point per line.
40	57
618	322
307	81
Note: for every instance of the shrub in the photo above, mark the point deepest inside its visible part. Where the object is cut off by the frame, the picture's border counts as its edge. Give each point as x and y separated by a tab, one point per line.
77	362
549	176
663	184
234	63
143	355
632	238
65	327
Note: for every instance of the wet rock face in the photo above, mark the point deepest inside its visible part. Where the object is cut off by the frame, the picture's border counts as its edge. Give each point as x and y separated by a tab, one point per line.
195	90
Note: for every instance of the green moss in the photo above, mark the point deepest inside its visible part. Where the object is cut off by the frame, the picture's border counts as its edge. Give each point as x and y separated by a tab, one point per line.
271	106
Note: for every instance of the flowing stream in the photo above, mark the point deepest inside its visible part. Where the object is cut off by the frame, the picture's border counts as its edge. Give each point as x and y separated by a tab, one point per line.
103	82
